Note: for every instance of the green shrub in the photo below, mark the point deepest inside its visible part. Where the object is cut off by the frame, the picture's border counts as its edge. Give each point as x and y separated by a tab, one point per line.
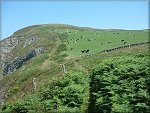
30	104
69	94
120	85
66	94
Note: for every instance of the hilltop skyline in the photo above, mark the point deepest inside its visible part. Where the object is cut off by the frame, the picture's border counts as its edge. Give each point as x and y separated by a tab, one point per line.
95	14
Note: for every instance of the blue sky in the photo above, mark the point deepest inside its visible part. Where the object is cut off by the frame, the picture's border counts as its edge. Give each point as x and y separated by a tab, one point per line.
97	14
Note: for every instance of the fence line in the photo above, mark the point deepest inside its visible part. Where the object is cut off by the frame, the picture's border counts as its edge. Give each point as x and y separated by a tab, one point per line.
120	47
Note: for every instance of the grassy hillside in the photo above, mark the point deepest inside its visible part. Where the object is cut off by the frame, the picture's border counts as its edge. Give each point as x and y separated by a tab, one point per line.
98	40
77	39
63	45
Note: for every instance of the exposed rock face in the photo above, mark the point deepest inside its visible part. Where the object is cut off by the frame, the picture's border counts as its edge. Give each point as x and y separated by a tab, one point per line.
29	40
6	46
18	62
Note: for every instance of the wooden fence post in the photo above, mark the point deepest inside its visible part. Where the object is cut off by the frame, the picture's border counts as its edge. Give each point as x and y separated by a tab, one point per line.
34	84
63	68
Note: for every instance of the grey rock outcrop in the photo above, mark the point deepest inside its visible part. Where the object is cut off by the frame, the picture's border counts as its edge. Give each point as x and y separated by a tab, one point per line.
7	64
29	40
6	47
18	62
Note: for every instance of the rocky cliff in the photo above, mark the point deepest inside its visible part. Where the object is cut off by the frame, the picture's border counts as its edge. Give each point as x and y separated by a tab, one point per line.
18	62
8	63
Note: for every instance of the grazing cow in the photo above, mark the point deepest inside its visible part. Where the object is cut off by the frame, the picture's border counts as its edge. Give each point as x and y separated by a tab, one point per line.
82	36
109	42
82	51
87	51
125	43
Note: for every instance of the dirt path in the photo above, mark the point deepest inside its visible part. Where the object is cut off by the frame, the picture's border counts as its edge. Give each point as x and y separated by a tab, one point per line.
48	62
58	41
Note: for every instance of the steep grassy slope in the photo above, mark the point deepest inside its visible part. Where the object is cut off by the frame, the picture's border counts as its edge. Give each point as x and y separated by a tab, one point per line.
63	45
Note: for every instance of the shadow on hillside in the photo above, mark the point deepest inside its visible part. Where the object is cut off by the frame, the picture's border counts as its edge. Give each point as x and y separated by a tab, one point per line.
92	100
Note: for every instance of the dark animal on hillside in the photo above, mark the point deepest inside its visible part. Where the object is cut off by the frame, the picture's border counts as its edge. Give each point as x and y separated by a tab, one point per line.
82	51
125	43
109	42
87	51
122	40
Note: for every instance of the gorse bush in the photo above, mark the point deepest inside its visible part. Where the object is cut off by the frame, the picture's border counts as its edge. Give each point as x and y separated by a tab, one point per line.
121	85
